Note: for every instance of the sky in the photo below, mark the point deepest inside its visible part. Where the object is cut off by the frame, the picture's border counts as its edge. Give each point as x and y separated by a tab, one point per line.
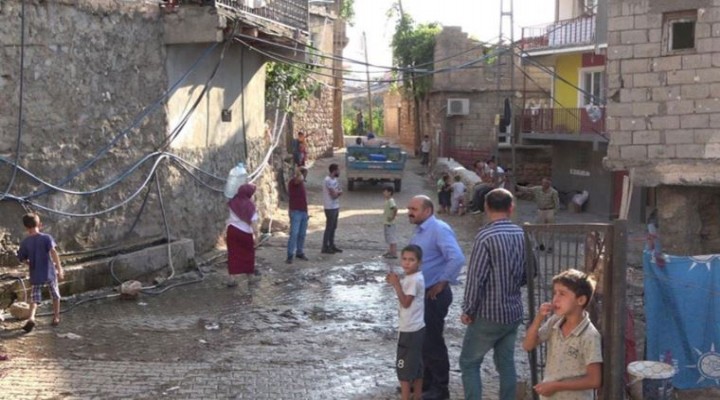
479	18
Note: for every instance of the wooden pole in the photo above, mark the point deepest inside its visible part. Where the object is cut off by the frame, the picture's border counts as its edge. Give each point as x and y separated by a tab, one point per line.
367	72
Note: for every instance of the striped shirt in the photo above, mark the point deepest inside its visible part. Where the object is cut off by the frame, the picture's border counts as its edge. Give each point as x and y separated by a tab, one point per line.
495	273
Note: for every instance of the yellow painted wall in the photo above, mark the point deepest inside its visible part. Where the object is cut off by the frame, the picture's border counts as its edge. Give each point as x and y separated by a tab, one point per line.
567	66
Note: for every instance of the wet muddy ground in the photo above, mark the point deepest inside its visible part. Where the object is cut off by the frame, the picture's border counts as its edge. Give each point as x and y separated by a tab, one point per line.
318	329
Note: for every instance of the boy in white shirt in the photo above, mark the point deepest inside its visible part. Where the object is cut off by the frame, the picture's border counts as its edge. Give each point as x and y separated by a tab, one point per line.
411	295
574	355
457	203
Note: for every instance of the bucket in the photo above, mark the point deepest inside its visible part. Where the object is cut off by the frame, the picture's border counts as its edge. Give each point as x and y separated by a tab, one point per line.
651	380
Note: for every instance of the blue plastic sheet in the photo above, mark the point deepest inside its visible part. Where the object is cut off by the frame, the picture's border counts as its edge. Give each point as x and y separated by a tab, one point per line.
682	306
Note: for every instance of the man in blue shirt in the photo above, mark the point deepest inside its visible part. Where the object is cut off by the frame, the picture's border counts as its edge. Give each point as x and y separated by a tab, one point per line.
493	307
442	262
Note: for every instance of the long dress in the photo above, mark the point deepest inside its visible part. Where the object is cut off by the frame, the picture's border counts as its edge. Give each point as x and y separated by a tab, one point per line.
241	246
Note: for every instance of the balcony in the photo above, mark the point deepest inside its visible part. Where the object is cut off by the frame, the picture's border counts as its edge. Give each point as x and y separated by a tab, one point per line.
562	124
290	14
562	34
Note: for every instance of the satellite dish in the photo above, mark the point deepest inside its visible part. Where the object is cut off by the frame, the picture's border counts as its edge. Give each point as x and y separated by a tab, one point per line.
594	112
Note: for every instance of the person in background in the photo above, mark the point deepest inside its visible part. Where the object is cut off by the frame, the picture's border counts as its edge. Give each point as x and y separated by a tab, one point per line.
458	196
574	352
298	211
389	214
300	150
442	261
240	242
444	194
331	204
425	150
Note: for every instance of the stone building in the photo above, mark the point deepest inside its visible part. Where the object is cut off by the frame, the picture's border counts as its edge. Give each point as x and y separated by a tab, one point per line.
318	116
116	90
461	110
664	86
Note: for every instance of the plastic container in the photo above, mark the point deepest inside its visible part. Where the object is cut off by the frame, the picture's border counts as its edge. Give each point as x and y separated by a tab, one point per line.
651	380
236	178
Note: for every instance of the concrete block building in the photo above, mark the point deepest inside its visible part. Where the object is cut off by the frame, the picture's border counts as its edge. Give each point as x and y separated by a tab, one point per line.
664	85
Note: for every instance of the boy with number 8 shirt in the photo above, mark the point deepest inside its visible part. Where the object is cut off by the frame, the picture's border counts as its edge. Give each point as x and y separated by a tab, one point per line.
410	292
574	353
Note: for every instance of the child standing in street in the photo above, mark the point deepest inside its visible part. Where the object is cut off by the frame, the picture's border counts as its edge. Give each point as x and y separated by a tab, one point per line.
574	353
389	213
411	295
38	251
443	188
457	203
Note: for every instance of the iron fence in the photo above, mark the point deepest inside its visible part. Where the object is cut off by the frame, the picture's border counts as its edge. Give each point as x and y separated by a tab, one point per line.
561	120
292	13
570	32
599	250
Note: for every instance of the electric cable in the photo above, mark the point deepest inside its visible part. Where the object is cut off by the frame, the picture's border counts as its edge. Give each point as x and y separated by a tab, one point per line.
147	111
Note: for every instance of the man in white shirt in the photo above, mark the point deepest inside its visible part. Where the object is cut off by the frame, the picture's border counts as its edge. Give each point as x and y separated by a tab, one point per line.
331	203
425	150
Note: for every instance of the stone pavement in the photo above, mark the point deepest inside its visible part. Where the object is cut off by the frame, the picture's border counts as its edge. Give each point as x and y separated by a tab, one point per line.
323	329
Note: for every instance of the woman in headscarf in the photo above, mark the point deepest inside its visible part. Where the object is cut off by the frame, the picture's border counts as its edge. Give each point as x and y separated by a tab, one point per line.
240	242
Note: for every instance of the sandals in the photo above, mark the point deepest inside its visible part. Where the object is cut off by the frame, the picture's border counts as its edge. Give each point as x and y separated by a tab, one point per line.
55	322
29	326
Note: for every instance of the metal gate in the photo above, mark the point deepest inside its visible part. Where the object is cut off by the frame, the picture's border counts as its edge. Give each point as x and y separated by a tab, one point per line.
599	250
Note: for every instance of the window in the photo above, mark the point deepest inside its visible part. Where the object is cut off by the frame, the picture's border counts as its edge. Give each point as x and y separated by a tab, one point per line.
679	31
592	84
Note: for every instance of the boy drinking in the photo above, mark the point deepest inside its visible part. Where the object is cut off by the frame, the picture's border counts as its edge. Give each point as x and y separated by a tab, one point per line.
574	354
410	292
38	250
389	213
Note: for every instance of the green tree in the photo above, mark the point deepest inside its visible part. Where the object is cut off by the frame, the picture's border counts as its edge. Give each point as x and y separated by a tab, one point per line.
287	84
347	11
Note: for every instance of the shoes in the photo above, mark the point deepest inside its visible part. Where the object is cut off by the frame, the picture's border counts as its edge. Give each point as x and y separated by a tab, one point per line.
541	247
29	326
55	322
288	261
231	283
302	257
476	212
336	250
390	256
326	250
436	394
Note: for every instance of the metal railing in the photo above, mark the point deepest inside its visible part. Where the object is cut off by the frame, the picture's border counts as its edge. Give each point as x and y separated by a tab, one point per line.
291	13
561	120
570	32
600	251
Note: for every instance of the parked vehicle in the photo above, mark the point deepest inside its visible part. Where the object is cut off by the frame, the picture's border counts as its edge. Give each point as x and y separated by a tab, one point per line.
375	164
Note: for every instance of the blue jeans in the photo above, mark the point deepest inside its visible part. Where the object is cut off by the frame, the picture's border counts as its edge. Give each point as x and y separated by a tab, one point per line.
298	229
481	336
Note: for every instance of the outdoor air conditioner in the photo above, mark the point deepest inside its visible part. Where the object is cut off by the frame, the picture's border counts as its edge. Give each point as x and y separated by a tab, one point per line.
458	107
504	140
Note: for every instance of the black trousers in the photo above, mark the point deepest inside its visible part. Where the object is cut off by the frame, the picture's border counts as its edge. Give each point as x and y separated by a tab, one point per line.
331	221
435	353
478	200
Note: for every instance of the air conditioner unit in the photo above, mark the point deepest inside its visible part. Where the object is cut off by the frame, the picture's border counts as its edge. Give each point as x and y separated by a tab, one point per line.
458	107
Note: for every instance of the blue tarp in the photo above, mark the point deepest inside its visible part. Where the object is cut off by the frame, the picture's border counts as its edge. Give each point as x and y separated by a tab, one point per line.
682	306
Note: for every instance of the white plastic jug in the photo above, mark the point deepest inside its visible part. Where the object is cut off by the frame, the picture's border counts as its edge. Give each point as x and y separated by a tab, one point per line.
236	178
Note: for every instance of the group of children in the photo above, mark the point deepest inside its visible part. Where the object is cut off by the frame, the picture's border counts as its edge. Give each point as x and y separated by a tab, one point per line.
451	196
574	355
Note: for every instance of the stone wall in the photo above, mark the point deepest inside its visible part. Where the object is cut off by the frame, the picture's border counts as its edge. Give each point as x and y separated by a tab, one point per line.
663	107
90	69
689	219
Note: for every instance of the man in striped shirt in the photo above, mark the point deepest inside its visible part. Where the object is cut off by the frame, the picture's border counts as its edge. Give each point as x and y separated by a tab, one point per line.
492	308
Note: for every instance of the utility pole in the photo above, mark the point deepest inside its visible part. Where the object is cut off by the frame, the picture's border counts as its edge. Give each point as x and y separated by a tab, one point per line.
506	15
367	72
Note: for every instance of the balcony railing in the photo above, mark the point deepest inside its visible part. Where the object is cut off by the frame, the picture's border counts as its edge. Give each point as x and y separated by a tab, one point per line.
566	33
291	13
561	121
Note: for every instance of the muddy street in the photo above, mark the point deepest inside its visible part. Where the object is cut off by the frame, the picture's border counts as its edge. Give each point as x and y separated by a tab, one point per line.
318	329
